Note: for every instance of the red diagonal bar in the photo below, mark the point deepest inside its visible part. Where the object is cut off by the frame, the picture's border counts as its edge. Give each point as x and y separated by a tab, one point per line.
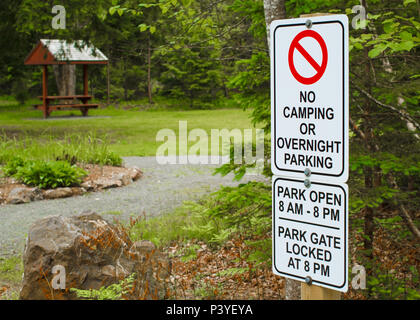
308	57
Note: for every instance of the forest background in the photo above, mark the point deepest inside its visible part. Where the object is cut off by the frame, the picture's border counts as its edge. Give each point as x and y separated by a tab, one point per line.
209	54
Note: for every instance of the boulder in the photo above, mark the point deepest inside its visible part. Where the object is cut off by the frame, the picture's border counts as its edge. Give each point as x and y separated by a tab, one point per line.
23	195
91	253
106	183
58	193
123	177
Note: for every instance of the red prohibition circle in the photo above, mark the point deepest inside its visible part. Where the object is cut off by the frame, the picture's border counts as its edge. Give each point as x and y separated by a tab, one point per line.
320	69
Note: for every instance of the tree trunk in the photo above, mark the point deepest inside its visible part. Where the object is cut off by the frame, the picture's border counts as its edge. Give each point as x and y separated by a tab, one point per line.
292	289
65	77
276	10
273	10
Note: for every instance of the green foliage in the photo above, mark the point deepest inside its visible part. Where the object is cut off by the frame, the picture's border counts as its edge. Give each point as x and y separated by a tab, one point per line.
46	175
261	251
239	167
50	174
13	72
207	291
113	292
295	8
190	253
252	78
162	230
231	272
20	90
385	285
254	11
387	162
11	168
200	74
399	34
239	205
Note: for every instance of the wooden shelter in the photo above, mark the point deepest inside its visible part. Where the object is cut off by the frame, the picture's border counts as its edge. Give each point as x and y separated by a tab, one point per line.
56	52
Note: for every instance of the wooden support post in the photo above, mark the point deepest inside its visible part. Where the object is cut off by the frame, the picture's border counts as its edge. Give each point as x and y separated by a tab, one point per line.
85	89
108	85
45	91
85	80
312	292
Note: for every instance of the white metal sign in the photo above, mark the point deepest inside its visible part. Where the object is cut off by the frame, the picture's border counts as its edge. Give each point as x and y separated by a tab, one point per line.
309	98
310	237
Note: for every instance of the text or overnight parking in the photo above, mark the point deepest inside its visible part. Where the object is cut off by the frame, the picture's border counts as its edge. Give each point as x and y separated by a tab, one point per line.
303	144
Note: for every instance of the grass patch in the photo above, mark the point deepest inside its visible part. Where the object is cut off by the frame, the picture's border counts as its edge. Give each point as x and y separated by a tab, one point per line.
162	230
188	222
129	132
72	148
11	270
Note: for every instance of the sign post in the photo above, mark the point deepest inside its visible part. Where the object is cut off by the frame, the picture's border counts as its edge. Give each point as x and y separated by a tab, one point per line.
312	292
309	152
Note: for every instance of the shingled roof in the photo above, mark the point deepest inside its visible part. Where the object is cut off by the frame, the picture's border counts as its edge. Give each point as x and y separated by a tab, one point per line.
53	51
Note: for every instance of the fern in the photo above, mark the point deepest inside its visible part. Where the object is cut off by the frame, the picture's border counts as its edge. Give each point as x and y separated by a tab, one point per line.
113	292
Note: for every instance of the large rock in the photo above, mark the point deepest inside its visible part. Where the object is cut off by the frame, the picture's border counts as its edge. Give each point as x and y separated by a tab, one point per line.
106	183
23	195
93	253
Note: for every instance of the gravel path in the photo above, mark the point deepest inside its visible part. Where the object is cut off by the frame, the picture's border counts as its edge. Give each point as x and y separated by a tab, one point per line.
162	188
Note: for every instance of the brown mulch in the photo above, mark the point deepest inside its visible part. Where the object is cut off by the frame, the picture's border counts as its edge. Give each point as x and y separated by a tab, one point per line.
222	274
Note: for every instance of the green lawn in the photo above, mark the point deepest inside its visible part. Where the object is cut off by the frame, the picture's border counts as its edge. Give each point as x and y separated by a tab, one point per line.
130	132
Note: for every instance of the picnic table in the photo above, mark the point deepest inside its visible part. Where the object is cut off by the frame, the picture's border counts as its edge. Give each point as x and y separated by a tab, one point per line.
79	102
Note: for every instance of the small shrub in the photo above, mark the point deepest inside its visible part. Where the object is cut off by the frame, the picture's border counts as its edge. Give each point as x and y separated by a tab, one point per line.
52	174
11	168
